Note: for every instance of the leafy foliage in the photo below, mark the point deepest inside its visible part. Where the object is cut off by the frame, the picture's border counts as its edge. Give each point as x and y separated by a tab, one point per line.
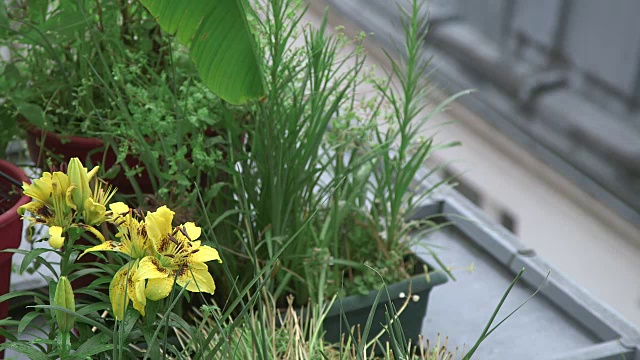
220	43
62	77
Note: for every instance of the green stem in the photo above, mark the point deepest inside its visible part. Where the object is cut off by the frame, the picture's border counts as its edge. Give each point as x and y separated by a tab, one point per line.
64	344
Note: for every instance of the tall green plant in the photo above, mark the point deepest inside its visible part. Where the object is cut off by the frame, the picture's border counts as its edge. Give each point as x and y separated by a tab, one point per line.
279	176
370	210
314	143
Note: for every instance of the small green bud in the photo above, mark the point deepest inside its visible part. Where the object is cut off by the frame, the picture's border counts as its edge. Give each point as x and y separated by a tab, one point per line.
64	298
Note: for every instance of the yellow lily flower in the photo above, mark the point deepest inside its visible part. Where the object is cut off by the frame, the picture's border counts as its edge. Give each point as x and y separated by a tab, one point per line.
133	243
51	203
178	255
58	198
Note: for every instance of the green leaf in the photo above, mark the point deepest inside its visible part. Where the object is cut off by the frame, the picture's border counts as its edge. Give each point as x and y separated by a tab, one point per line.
37	9
31	256
15	294
93	346
26	320
220	42
4	20
11	72
33	113
25	349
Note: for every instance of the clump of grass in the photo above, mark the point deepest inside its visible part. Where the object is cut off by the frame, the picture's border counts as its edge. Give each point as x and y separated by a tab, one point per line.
296	334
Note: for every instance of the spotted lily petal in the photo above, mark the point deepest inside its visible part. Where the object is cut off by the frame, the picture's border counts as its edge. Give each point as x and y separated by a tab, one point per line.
105	246
118	295
136	292
92	230
38	209
193	231
151	268
119	209
159	227
124	288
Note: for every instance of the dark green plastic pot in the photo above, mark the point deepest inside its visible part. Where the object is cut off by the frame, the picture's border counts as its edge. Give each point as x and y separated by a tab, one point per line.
356	308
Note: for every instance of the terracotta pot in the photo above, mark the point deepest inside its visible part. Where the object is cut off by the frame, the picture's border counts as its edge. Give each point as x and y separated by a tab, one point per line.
40	143
11	230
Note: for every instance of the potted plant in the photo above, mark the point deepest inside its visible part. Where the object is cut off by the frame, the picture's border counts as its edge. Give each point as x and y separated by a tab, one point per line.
66	66
332	168
11	198
58	56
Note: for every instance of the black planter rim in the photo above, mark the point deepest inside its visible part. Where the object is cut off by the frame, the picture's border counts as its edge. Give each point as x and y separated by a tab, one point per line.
416	285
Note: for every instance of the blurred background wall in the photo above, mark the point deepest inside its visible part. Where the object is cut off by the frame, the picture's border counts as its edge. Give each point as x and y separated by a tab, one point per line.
551	137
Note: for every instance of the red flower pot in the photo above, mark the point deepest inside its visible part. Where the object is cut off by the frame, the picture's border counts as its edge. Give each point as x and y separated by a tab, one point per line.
10	228
84	148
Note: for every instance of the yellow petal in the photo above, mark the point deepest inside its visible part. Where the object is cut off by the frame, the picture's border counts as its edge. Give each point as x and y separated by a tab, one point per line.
159	288
203	254
77	174
197	280
198	265
135	290
37	209
105	246
60	184
56	240
93	172
119	208
92	230
159	225
192	230
39	189
150	268
94	213
68	198
117	295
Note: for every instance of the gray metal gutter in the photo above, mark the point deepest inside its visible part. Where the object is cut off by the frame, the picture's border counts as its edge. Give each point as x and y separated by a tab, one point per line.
579	324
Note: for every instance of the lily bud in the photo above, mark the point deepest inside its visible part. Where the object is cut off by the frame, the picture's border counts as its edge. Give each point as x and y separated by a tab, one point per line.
64	298
79	178
56	240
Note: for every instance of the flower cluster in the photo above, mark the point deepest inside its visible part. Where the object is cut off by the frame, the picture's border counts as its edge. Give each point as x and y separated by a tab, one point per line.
159	254
64	200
